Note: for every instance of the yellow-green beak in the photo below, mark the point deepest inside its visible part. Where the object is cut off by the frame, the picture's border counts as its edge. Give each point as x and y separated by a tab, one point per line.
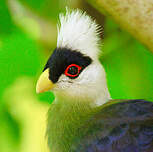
43	83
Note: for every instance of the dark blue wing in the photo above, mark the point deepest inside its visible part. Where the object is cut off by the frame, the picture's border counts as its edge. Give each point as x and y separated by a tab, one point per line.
120	127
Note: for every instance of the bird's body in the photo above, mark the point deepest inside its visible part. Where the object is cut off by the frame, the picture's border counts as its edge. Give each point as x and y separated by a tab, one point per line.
83	117
118	126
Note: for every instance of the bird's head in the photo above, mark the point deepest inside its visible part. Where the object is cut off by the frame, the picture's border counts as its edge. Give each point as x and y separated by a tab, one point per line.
73	70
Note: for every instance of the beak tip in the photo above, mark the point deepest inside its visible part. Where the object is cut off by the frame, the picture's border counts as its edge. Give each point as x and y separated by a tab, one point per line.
43	83
38	90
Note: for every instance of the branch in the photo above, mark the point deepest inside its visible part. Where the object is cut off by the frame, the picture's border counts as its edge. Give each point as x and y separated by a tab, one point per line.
135	16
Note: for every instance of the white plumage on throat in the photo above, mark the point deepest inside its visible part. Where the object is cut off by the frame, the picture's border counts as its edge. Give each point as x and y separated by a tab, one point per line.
78	31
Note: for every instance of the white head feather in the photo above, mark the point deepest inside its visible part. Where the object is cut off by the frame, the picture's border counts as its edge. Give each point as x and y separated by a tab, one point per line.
78	31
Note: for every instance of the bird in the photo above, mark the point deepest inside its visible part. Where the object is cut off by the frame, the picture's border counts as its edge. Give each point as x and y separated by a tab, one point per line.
83	117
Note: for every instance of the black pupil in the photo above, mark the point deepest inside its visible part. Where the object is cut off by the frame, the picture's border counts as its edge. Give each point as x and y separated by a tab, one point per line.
73	70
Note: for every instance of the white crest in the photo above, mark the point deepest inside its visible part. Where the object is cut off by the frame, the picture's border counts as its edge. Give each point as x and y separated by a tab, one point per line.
78	31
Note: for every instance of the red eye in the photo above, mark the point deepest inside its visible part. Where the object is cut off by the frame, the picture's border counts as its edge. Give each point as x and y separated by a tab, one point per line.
72	70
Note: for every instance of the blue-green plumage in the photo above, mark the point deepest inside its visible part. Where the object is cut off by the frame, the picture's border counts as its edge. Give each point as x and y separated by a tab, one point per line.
119	127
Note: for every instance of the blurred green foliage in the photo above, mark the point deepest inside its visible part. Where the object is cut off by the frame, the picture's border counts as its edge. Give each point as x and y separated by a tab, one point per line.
46	8
129	65
6	24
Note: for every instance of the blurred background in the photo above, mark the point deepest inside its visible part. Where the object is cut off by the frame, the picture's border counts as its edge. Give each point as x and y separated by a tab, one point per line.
27	38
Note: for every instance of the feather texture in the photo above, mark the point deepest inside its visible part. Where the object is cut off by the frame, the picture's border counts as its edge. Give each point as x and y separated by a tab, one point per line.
78	31
120	127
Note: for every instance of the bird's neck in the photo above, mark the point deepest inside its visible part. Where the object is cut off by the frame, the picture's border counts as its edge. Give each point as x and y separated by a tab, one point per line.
65	119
